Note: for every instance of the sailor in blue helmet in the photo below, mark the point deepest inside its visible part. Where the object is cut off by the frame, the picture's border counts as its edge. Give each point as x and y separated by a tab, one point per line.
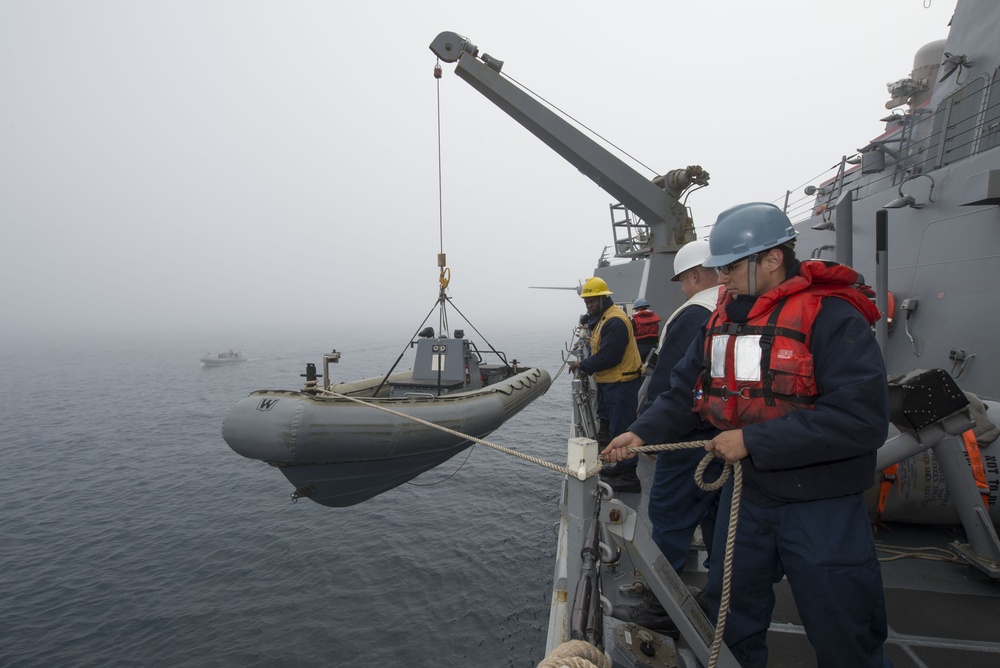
646	325
788	368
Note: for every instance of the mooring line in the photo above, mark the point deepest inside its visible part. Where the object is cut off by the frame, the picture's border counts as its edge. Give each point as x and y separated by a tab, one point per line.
729	468
468	437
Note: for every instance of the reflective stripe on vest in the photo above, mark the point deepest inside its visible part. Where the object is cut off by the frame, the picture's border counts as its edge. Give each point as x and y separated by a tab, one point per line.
763	369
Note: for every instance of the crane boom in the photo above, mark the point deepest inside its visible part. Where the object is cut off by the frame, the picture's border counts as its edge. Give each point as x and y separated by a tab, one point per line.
655	202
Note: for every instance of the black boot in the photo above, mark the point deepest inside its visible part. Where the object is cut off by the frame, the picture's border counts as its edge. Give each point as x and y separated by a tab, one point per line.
699	598
648	613
609	471
626	482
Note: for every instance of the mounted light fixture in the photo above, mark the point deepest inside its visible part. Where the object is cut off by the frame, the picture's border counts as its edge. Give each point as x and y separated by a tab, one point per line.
909	200
903	200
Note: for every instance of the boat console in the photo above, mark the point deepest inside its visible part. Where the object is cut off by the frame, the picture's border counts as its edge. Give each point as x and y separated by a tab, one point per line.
441	366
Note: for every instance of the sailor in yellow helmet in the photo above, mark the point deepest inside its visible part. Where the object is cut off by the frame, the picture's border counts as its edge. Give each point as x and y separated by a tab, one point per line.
617	369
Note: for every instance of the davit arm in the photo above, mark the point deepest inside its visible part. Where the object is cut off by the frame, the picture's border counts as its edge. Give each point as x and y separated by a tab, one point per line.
655	202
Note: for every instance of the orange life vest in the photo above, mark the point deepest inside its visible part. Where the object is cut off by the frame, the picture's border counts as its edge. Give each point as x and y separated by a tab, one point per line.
763	369
647	325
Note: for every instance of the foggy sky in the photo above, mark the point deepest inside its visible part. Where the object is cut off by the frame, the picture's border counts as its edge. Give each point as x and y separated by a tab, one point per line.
235	165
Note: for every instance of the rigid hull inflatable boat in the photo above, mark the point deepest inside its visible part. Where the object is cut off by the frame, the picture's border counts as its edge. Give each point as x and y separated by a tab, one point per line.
344	443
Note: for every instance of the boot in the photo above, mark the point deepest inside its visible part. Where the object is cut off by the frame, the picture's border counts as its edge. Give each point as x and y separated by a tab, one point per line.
626	482
648	613
699	598
609	471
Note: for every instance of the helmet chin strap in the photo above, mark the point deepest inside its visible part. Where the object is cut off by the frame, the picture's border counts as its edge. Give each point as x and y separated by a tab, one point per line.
752	274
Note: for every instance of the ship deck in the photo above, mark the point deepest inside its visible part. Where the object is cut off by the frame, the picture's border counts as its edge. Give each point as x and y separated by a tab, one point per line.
940	613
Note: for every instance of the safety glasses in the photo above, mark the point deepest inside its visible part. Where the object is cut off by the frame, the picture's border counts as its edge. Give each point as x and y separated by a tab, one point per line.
726	269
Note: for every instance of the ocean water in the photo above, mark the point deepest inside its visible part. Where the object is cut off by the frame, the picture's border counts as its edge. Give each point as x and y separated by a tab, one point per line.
133	536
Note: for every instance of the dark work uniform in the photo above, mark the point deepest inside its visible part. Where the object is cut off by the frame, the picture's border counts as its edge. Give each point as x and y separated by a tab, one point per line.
802	514
676	504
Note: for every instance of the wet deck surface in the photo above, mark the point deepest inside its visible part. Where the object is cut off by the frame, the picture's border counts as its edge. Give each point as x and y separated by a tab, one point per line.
941	614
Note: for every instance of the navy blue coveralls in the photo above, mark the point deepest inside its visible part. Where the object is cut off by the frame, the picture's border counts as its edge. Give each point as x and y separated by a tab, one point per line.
676	504
802	513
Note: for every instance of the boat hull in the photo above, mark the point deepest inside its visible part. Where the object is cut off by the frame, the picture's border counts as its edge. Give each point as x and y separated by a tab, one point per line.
212	361
338	452
223	359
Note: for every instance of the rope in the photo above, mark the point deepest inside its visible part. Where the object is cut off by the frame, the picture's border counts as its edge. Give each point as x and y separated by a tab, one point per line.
575	654
929	553
727	563
499	448
736	469
437	75
573	660
445	479
699	472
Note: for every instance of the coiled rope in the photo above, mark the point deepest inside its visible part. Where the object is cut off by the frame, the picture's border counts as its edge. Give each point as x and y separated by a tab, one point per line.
570	660
575	654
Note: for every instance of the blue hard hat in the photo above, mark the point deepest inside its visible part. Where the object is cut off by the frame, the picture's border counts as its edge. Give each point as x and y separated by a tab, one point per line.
640	303
746	229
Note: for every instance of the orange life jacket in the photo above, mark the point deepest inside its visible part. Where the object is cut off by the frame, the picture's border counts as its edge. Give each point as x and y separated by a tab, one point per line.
647	325
763	369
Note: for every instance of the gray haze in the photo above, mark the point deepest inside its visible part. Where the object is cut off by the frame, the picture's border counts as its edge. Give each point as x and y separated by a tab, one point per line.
225	166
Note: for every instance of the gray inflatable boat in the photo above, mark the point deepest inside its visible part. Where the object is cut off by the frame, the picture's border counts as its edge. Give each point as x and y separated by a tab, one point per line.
338	447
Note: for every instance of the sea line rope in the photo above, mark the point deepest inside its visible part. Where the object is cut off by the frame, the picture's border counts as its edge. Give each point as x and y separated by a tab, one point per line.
735	468
468	437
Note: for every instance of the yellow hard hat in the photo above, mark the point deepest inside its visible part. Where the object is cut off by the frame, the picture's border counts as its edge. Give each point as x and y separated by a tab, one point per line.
594	287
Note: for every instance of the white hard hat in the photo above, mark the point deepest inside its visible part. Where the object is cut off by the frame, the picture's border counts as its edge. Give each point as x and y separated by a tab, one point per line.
690	255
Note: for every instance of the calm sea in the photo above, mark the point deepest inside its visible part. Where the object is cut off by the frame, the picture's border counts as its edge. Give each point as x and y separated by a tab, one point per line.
133	536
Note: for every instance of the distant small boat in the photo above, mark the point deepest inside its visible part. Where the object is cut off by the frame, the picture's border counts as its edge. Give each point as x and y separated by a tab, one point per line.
339	451
223	358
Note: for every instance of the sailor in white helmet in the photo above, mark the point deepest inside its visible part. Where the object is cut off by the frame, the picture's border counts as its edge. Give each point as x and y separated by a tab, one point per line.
676	505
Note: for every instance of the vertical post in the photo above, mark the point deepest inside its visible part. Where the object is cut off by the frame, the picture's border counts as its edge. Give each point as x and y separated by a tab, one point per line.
845	230
578	504
332	356
951	457
581	497
882	281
